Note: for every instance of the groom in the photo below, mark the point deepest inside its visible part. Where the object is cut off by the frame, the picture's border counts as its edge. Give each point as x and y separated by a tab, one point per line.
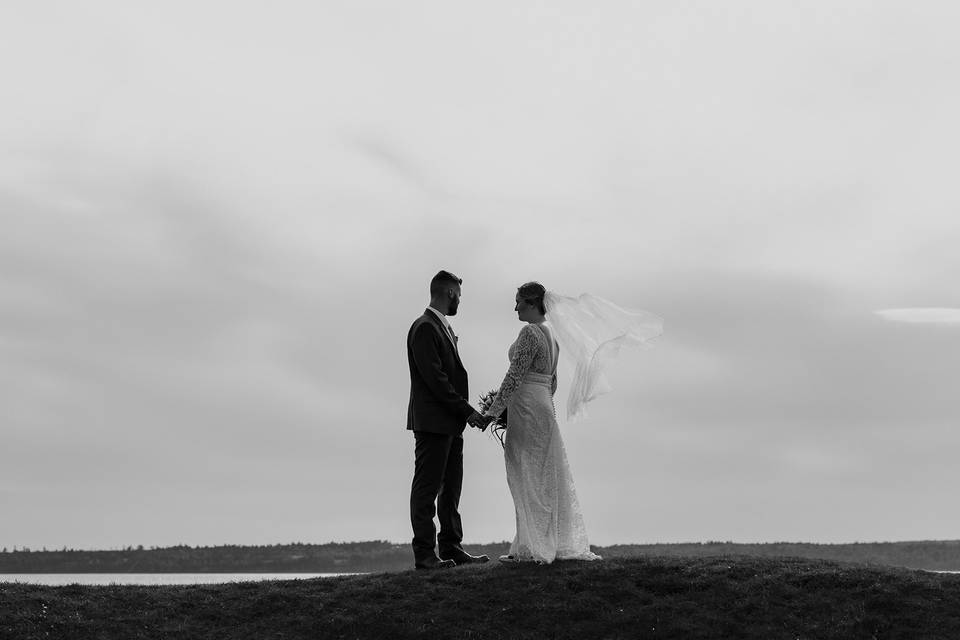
437	414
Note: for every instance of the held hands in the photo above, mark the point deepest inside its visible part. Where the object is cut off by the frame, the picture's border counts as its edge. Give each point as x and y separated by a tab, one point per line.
479	421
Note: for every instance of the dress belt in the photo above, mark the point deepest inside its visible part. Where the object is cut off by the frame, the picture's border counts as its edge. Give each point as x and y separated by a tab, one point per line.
544	379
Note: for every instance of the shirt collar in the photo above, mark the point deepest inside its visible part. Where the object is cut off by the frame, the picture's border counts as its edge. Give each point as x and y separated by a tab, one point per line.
442	317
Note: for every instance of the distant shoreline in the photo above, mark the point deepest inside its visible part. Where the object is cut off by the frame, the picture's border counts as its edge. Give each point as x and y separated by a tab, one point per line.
154	579
383	556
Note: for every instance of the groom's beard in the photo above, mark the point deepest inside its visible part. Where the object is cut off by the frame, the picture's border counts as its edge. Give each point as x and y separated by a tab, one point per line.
452	308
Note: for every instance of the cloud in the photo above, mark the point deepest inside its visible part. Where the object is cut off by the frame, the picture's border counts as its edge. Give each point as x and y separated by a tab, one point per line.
922	315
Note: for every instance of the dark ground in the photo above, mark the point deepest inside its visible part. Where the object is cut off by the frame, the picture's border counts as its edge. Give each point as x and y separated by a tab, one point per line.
646	597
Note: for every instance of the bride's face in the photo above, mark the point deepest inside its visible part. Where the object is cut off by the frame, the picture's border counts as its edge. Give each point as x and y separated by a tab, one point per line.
524	310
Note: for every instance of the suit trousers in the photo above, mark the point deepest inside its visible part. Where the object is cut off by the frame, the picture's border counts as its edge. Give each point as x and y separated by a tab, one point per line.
437	478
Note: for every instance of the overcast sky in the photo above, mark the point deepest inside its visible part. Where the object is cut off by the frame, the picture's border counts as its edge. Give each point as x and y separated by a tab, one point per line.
218	220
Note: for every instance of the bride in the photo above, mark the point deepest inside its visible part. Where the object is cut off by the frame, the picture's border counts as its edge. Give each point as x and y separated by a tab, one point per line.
549	521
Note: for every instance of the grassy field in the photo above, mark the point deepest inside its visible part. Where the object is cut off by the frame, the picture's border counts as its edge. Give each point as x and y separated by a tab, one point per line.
648	597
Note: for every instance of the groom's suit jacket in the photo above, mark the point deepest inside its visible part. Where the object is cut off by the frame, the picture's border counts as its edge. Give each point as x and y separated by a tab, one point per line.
438	381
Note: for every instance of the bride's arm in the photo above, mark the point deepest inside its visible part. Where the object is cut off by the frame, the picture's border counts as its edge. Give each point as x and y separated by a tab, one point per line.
521	362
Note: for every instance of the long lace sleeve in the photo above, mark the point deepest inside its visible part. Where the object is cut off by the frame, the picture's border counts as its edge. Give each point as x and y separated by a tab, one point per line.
524	352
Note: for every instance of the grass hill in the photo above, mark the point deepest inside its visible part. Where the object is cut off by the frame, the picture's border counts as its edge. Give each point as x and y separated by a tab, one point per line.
714	597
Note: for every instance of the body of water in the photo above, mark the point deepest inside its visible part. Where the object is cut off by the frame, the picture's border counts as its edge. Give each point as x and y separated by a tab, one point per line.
61	579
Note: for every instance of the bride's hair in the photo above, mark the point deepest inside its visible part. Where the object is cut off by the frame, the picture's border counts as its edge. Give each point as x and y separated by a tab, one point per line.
532	293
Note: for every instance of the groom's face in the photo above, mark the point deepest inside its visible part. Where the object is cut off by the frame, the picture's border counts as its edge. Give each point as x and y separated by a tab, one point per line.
454	296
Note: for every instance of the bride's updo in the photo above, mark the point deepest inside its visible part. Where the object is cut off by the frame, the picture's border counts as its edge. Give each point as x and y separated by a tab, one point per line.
533	293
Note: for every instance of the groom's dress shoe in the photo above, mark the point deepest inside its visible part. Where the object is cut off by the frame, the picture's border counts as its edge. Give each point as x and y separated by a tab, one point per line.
428	564
462	557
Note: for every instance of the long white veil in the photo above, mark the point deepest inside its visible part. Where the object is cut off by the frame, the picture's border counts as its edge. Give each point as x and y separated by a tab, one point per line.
591	332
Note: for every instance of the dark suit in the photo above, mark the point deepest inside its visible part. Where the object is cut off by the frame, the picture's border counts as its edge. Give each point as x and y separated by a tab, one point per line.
437	415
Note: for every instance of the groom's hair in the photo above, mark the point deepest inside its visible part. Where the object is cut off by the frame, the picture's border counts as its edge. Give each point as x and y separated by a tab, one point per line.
443	281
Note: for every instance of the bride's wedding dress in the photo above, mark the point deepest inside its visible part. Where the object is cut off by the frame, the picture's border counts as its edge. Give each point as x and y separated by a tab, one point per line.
549	521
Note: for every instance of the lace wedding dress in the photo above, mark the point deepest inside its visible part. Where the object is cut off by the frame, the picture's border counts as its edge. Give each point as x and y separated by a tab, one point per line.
549	521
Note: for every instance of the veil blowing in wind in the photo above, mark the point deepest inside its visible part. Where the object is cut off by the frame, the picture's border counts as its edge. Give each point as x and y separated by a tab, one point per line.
591	331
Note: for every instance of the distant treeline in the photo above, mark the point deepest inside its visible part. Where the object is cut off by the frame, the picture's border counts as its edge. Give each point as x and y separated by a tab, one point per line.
937	555
380	555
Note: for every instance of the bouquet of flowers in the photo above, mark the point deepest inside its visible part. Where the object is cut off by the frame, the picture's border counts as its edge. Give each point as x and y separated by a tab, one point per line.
499	425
